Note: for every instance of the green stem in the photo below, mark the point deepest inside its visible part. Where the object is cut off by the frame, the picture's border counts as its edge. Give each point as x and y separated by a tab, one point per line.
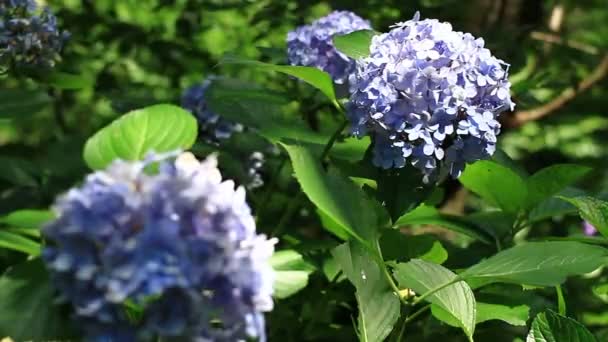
416	314
333	139
273	183
561	302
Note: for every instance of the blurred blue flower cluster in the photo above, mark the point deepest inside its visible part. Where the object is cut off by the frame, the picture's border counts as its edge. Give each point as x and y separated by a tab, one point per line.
429	95
28	38
213	128
312	45
172	254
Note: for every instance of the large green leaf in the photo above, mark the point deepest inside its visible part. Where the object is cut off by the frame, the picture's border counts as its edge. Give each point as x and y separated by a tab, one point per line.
334	194
313	76
593	210
549	326
29	310
538	263
431	216
291	272
20	103
19	243
355	44
456	299
495	183
514	315
551	180
555	206
378	304
158	128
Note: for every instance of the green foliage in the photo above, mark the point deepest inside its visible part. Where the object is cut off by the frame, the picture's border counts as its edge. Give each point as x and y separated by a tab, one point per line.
29	311
593	210
551	327
159	128
291	272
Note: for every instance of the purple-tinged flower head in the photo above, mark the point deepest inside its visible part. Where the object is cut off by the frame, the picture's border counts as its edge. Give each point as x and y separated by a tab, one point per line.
172	253
312	45
29	38
213	128
589	229
430	96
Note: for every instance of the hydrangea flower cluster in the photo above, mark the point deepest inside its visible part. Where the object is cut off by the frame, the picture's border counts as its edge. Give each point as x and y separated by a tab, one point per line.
429	95
168	254
28	39
254	166
312	45
213	128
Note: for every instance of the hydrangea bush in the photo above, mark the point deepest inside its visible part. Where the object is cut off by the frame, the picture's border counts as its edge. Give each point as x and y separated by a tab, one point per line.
180	243
430	96
369	194
312	45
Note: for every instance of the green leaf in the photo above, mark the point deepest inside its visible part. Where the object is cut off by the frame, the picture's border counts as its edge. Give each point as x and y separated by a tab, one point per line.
18	243
378	305
538	263
20	103
18	171
291	272
397	246
592	210
551	180
456	299
62	80
313	76
28	218
495	183
431	216
29	312
334	194
555	206
551	327
401	191
513	315
158	128
355	44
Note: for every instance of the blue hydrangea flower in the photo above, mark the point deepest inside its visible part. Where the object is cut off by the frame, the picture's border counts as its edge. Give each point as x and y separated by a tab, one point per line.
430	96
312	45
179	245
213	128
28	38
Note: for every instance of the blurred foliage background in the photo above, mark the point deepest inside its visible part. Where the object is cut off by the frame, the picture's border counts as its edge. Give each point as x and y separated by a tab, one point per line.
125	54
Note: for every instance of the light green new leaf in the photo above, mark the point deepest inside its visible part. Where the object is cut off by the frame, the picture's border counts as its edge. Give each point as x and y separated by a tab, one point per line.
593	210
334	194
29	309
313	76
378	304
538	263
62	80
291	272
18	243
27	218
549	326
551	180
158	128
513	315
355	44
456	299
495	183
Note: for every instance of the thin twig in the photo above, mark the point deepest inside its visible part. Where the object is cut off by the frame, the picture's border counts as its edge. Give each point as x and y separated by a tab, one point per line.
556	39
521	117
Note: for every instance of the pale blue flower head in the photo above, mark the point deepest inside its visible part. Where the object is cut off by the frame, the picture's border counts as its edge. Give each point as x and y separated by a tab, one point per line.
179	244
429	96
312	45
